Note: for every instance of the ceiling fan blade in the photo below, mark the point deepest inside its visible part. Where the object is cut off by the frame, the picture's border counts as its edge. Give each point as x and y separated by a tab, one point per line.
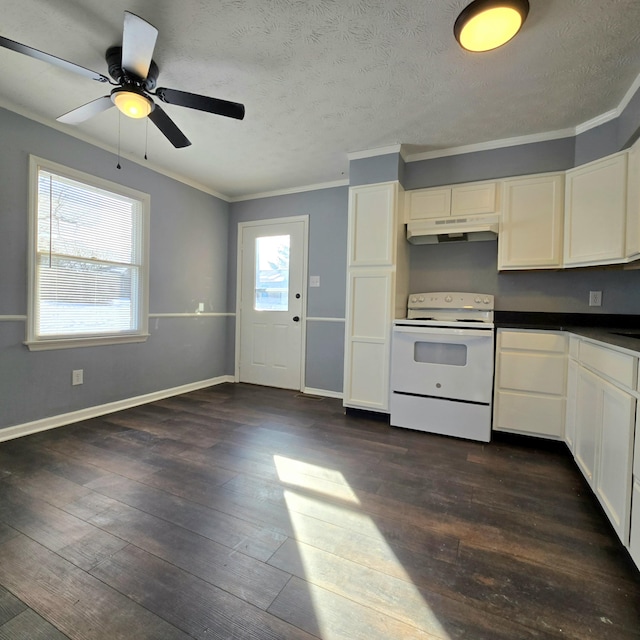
86	111
202	103
138	42
169	128
47	57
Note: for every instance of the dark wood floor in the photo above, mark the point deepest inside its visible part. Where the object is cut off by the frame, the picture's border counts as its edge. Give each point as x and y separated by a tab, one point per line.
245	512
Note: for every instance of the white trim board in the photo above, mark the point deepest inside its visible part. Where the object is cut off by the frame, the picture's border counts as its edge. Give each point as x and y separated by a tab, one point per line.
319	319
193	314
17	431
323	392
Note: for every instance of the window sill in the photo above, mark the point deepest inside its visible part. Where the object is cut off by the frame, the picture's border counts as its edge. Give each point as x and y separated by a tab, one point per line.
72	343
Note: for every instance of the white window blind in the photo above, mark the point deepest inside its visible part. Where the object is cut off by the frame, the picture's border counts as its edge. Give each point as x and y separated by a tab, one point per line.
89	275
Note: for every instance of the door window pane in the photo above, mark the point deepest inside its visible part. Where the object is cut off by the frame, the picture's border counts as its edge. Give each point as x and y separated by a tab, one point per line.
272	273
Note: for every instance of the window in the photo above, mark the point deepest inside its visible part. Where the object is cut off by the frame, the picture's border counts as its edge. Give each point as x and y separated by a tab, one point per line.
88	260
272	273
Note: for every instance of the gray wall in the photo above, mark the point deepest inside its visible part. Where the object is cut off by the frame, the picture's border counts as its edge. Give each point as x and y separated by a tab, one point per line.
539	157
327	211
188	258
473	267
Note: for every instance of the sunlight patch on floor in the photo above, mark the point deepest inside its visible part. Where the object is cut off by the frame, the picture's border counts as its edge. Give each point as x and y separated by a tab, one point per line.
378	595
315	478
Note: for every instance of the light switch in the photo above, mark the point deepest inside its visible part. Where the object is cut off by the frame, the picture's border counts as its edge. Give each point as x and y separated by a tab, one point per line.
314	281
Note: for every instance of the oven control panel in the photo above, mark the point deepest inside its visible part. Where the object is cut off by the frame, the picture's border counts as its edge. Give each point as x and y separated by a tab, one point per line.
451	300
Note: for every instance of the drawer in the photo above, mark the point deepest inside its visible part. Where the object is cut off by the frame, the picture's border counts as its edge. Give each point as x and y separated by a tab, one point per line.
533	415
620	367
533	372
549	341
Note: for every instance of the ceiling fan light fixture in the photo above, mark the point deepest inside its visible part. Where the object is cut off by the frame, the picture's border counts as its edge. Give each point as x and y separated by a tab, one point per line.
131	103
488	24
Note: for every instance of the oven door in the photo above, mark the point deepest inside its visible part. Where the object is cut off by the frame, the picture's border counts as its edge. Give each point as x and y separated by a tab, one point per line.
443	362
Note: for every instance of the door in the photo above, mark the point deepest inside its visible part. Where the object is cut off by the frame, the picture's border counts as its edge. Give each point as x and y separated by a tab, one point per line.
272	302
588	422
613	476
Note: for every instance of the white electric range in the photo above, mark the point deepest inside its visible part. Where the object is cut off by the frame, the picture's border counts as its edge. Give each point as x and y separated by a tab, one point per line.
442	365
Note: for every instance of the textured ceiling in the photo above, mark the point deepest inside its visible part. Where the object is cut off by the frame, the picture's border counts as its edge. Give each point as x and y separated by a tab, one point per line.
322	78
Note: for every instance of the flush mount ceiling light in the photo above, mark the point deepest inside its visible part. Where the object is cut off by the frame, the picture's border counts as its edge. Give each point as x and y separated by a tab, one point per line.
487	24
132	103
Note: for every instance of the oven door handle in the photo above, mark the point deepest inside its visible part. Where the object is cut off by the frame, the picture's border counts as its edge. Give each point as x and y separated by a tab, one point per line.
442	331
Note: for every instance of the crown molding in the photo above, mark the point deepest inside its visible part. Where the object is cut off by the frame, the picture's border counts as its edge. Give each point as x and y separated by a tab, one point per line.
75	133
286	192
372	153
491	144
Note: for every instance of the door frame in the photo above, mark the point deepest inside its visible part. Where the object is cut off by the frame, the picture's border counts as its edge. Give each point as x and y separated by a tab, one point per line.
305	287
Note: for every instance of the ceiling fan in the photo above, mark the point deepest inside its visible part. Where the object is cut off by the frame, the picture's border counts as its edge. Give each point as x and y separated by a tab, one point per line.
134	75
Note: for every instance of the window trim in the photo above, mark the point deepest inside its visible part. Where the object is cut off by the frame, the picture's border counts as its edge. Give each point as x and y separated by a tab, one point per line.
32	341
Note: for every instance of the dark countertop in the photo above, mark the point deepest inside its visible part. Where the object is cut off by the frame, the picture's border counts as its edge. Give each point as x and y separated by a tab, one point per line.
597	326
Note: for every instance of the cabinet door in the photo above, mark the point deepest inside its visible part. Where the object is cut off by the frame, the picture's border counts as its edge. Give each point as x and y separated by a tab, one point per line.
368	339
596	208
570	417
588	421
372	211
613	474
633	203
423	204
470	199
634	538
532	219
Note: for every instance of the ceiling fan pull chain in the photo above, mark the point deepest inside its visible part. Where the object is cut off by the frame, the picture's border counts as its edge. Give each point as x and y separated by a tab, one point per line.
119	117
146	137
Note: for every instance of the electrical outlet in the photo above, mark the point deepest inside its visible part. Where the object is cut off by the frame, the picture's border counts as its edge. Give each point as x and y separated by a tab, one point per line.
595	298
77	376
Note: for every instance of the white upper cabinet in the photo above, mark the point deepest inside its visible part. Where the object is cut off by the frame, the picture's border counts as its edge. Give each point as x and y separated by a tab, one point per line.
372	225
460	200
633	203
532	221
596	212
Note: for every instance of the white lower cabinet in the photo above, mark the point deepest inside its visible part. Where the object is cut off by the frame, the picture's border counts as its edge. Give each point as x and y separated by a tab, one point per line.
530	386
587	420
573	369
369	327
601	417
615	457
634	541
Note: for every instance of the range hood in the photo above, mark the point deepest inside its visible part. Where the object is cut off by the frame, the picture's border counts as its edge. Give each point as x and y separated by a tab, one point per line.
435	230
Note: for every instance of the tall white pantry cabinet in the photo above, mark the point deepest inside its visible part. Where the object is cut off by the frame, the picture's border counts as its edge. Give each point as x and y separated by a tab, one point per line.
377	291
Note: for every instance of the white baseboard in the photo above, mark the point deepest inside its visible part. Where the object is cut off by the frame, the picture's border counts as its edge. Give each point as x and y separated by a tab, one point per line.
93	412
323	392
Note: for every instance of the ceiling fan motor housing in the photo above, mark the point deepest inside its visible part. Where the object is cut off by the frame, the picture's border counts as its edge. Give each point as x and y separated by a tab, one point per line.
114	64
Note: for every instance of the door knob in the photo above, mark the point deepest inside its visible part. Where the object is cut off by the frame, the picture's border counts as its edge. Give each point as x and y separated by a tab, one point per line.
296	318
